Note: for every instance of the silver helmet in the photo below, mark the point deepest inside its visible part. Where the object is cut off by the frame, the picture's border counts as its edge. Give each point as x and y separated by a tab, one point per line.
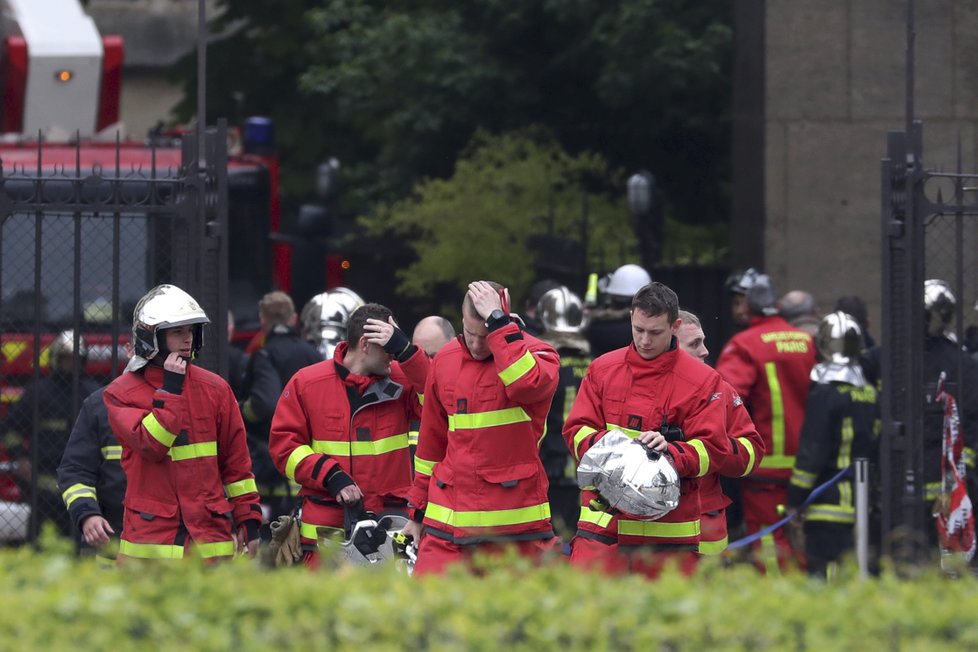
165	306
629	480
64	346
839	343
561	311
939	305
324	318
371	540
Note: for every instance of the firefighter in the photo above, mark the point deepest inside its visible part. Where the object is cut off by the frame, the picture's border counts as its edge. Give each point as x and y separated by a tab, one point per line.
841	425
91	479
768	365
432	333
282	354
56	411
561	314
184	447
479	481
340	429
943	353
610	326
737	284
746	447
672	403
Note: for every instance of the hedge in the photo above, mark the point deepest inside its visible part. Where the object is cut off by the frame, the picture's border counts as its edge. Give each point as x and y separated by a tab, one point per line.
52	601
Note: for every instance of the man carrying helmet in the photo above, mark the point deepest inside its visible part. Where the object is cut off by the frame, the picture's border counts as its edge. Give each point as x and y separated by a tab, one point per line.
184	447
656	393
58	401
841	422
340	429
767	365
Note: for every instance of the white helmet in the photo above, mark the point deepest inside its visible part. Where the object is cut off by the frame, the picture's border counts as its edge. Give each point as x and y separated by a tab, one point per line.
629	478
370	540
64	345
627	280
939	305
561	311
165	306
324	318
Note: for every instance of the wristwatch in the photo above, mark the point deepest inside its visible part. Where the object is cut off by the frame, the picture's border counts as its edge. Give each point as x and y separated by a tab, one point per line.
494	316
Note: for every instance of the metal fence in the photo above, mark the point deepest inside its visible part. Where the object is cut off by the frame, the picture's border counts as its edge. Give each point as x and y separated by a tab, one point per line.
85	231
929	231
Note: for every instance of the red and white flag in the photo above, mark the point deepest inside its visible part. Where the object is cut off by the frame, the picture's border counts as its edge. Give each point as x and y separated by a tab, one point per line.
953	511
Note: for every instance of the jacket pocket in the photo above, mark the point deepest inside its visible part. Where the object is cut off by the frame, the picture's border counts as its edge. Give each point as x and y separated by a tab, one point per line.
508	476
149	509
443	475
219	507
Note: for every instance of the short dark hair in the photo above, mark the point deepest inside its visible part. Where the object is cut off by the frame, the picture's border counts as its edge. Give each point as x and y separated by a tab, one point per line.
853	305
354	327
468	308
657	299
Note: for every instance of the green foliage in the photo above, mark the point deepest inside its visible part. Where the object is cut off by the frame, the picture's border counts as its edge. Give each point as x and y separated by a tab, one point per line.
477	223
397	90
53	602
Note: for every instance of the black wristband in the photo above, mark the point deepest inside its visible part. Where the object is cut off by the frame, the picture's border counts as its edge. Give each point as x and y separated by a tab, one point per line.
173	382
497	322
398	343
251	528
336	480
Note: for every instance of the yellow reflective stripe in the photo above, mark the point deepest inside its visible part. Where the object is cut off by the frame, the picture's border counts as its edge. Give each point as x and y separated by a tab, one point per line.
488	518
582	434
413	437
803	479
932	490
76	491
313	531
777	412
214	549
845	448
346	448
713	547
704	457
751	455
193	451
679	530
423	466
240	488
296	456
768	555
150	550
158	432
489	419
601	519
518	369
831	513
968	455
420	398
112	452
778	462
628	431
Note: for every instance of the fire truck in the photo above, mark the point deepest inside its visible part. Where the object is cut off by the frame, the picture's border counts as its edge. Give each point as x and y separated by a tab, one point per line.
59	119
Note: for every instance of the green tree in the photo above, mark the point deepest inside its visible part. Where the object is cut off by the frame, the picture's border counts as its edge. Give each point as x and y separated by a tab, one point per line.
478	223
397	90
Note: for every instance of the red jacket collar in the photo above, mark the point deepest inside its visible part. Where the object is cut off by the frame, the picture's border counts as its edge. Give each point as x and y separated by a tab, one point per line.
662	363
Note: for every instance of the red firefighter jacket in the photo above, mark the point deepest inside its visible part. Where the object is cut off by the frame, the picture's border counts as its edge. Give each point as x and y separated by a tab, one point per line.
315	431
623	391
186	462
478	474
768	366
